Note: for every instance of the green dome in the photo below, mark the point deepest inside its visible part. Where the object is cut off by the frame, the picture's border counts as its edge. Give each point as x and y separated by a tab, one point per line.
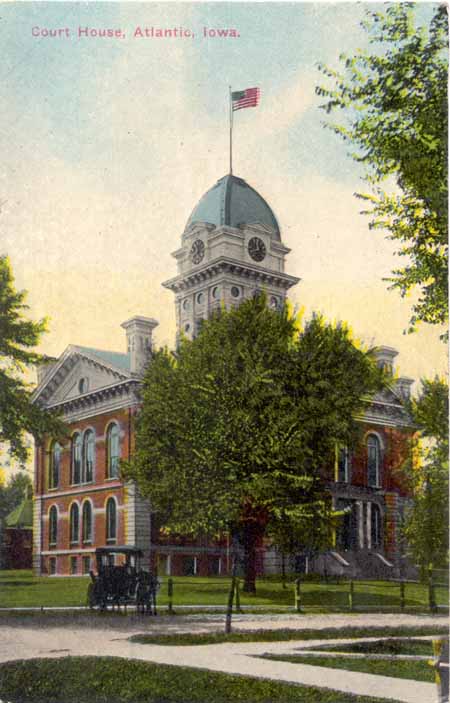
231	201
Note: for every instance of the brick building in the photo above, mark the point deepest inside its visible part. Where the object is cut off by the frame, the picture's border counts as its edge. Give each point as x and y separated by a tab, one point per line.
230	250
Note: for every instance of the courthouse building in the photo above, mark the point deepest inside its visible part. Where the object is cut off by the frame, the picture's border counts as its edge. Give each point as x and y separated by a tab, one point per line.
230	250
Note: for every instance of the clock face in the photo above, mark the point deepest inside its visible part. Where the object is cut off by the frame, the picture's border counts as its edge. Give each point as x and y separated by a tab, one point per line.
197	251
257	249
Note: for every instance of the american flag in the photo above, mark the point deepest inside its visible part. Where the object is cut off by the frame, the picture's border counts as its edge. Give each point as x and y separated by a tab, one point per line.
245	98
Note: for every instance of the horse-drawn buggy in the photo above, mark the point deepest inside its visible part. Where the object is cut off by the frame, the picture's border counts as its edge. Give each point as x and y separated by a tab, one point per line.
120	581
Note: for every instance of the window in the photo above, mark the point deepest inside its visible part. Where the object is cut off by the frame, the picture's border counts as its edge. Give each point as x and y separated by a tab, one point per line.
235	292
86	565
73	565
274	304
111	520
200	298
55	464
113	450
88	456
375	526
343	467
83	385
77	449
74	523
87	522
373	461
198	325
53	526
52	566
216	292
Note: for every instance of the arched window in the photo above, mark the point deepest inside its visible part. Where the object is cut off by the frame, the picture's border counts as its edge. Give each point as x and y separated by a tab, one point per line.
53	526
54	465
375	526
113	450
77	451
343	473
373	461
111	520
87	522
88	456
74	523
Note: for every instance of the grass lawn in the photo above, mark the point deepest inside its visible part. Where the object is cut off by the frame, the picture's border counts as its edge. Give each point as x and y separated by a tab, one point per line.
390	646
22	589
400	669
114	680
287	634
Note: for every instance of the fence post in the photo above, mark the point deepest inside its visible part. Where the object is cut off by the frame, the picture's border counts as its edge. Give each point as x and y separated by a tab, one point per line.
351	596
230	605
297	595
431	592
170	594
238	596
440	664
402	595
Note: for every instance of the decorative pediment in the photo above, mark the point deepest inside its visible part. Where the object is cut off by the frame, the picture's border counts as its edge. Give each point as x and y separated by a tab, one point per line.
387	407
80	372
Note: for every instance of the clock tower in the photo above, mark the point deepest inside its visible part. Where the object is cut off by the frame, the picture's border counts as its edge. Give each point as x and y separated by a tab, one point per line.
231	249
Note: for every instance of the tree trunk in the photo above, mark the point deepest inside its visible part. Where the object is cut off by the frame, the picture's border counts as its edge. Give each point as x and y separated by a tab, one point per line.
251	533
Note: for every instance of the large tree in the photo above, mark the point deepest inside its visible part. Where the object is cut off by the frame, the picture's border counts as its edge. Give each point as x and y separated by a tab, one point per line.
393	100
426	526
238	428
18	337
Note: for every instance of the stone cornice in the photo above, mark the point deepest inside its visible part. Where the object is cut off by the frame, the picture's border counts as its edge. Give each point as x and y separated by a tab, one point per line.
119	395
385	413
227	265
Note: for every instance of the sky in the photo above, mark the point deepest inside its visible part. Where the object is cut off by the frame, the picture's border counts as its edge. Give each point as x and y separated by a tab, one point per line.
108	144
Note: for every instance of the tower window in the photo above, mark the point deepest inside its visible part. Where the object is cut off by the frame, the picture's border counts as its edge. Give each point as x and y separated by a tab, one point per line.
200	298
216	292
186	304
274	304
235	292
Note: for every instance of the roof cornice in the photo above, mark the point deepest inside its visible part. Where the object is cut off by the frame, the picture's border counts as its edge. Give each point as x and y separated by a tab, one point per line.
228	265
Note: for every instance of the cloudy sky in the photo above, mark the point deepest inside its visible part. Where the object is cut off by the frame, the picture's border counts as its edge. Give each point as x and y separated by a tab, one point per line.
108	143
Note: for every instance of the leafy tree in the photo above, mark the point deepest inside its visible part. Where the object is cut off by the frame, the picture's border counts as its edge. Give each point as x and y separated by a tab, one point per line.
394	99
237	430
426	525
18	336
13	492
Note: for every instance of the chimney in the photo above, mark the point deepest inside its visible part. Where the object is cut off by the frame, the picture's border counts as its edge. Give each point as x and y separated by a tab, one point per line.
384	357
139	341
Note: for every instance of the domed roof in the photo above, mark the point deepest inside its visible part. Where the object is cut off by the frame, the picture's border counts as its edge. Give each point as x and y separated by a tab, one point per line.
231	201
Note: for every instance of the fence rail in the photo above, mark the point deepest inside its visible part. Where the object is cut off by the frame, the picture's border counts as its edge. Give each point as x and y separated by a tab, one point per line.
307	595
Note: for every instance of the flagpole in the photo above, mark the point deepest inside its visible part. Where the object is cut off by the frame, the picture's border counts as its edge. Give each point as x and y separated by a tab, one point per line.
231	132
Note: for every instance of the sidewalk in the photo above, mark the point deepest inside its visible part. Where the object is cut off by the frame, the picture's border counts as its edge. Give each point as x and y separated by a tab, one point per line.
29	640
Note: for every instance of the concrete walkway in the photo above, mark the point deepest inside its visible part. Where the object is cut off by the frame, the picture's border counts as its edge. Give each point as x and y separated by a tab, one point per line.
44	636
